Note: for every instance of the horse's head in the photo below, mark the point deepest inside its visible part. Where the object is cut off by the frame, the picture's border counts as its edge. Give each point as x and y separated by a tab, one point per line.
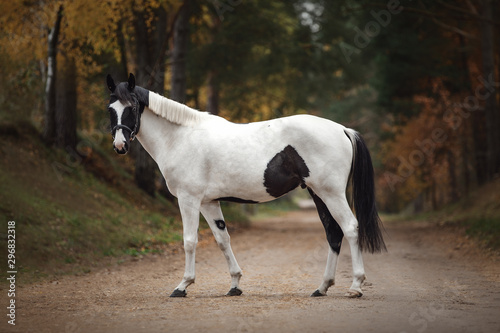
124	112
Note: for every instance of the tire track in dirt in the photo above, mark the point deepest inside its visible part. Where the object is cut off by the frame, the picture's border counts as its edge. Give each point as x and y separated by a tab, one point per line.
425	283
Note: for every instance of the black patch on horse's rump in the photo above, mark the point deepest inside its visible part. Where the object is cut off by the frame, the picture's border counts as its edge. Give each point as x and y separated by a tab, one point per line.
284	172
237	200
220	224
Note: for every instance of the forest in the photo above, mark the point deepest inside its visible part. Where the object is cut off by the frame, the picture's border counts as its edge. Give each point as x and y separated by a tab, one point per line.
418	78
92	240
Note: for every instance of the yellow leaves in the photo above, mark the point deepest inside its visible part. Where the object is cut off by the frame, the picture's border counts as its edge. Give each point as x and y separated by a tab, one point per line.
23	28
88	26
88	22
27	24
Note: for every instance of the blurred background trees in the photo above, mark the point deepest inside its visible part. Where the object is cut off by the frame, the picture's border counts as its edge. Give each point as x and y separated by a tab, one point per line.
419	79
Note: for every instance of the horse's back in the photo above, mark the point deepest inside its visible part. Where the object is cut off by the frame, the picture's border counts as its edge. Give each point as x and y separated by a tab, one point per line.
266	138
241	154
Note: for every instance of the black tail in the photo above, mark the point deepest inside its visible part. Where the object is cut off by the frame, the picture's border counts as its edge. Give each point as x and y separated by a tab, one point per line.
363	191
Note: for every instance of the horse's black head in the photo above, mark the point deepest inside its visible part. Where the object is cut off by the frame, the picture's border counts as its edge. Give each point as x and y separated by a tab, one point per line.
124	112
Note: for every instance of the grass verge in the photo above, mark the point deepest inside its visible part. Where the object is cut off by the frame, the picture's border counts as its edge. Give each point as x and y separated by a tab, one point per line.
485	230
478	214
72	220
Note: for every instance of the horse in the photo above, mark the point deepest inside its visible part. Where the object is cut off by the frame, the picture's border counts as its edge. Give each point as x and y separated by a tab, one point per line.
206	159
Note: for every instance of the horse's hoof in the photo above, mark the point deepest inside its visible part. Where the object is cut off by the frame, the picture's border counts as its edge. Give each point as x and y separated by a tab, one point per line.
179	293
234	292
353	293
317	293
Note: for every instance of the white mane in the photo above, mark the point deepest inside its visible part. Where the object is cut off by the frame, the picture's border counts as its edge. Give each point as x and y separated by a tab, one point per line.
175	112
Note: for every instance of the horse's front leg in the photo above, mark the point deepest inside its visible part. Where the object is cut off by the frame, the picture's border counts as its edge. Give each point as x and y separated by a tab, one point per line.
190	213
213	214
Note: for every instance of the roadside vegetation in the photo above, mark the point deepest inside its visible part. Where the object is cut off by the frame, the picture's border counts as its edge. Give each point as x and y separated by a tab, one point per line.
418	79
73	215
478	215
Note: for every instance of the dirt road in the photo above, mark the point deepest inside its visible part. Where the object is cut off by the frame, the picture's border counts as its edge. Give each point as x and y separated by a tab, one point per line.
431	280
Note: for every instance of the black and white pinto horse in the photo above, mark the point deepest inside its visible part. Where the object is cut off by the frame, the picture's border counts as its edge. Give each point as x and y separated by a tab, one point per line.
206	159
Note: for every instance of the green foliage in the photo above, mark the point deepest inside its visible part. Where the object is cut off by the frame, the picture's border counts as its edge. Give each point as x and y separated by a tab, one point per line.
403	64
19	79
269	59
236	214
69	222
274	58
485	229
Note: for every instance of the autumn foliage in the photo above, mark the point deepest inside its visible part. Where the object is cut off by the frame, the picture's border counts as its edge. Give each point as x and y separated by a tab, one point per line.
418	79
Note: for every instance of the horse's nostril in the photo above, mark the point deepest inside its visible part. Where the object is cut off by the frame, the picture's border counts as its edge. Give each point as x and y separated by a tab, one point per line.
121	151
120	145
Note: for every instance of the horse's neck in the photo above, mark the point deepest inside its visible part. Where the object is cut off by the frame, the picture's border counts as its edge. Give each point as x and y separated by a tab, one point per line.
156	134
162	121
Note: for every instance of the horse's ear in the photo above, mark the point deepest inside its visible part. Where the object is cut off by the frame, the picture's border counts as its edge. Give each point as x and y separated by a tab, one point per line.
111	83
131	82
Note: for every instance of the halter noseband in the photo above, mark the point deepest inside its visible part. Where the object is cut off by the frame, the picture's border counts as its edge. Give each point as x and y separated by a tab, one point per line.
135	110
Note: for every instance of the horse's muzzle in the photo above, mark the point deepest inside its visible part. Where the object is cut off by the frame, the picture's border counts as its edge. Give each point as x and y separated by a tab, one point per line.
122	149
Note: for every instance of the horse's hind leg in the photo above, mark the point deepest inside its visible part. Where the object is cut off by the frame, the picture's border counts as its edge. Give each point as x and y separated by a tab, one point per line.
213	214
341	212
334	236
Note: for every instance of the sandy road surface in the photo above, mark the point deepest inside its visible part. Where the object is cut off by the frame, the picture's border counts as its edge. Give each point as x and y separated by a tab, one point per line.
429	281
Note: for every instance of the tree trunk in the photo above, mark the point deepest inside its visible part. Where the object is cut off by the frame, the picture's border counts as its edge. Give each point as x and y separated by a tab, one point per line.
467	136
433	194
145	166
49	131
150	69
213	93
157	76
491	111
453	192
178	80
158	52
179	52
145	169
122	47
66	102
142	48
